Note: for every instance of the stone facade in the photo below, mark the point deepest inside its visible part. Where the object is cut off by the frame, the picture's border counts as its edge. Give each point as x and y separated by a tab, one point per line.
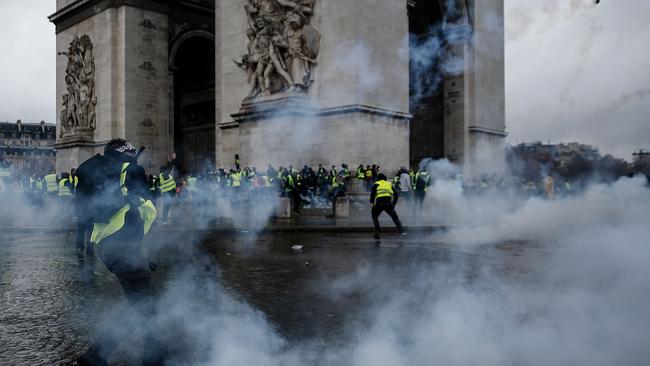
463	117
131	85
354	106
355	112
28	148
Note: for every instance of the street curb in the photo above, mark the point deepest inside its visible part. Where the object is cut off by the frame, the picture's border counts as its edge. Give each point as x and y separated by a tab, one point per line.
230	230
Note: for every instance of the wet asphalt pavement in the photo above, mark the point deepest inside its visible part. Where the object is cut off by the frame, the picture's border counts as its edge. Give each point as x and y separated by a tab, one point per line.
50	300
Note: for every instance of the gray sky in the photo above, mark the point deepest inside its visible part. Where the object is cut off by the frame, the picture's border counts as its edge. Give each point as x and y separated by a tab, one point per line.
574	71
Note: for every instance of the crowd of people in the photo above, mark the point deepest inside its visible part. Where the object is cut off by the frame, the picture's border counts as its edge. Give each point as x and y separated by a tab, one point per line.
311	186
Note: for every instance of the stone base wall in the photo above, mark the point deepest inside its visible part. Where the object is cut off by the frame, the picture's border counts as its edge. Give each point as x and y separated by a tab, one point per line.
71	157
354	137
131	84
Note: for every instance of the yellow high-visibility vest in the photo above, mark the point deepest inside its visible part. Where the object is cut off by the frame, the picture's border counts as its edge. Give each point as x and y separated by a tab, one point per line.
384	189
166	185
51	183
64	190
236	179
146	211
335	182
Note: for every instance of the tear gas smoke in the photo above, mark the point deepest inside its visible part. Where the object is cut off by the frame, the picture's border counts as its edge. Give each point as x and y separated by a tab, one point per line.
581	297
578	294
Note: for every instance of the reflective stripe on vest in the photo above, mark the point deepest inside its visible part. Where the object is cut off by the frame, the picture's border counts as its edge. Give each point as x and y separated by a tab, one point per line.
146	211
166	185
384	189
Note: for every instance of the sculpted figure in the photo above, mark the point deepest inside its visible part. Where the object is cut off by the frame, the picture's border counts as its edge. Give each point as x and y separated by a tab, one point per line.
80	100
303	43
282	46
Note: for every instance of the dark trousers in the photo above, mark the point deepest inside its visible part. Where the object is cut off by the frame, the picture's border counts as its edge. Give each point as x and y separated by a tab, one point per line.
388	207
297	200
122	255
169	198
419	200
84	229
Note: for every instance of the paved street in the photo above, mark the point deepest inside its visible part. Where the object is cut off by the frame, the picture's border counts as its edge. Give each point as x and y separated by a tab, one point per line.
50	301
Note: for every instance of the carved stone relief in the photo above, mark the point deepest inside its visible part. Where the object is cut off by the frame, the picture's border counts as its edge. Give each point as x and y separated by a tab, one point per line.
282	46
79	101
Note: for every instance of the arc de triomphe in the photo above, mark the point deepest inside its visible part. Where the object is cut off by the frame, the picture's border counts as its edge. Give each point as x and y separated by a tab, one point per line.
282	81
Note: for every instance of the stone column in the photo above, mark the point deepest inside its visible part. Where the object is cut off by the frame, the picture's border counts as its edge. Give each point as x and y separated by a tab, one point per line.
129	96
474	101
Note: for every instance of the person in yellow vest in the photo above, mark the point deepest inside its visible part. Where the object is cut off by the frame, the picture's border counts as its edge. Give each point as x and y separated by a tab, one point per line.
368	178
422	182
361	173
167	185
51	184
549	187
115	190
383	198
235	182
65	187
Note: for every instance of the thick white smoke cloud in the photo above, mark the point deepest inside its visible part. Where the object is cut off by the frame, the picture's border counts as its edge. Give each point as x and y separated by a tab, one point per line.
527	281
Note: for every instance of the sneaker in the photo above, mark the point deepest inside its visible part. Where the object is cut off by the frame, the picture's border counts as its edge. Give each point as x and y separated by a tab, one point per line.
403	235
377	236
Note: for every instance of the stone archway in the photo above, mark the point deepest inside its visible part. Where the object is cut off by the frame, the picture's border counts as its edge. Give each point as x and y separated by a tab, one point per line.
192	66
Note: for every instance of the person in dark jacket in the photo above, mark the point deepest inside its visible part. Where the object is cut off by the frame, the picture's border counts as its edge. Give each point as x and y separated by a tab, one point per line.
118	202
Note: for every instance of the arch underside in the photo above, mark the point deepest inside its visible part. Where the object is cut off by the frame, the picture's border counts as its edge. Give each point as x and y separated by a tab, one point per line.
192	68
430	19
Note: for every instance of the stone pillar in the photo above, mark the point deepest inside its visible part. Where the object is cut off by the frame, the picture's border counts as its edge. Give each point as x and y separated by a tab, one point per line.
124	94
356	109
474	101
283	209
342	207
486	130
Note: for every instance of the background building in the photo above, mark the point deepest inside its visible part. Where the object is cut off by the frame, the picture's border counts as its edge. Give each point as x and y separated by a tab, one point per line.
28	148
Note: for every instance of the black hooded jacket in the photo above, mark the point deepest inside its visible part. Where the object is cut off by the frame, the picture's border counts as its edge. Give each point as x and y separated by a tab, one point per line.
98	193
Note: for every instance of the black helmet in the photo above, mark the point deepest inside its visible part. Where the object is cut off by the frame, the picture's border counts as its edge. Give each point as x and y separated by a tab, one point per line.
120	146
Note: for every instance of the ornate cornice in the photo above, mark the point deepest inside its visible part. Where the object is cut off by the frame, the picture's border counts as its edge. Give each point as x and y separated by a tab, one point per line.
81	10
298	106
487	131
